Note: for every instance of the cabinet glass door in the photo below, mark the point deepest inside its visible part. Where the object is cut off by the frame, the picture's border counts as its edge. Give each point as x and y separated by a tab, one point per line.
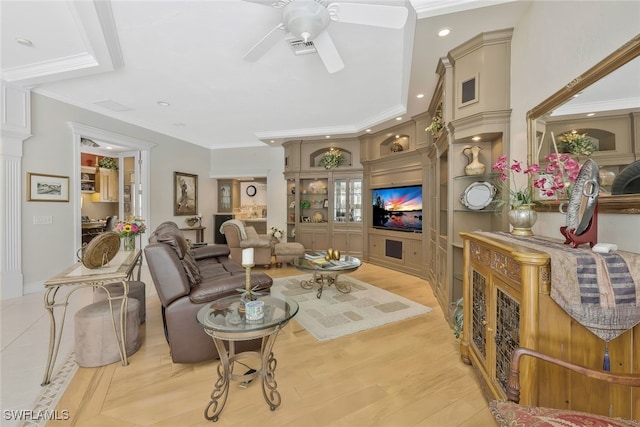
355	200
347	201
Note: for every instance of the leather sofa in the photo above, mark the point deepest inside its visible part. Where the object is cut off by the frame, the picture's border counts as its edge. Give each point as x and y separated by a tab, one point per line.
186	280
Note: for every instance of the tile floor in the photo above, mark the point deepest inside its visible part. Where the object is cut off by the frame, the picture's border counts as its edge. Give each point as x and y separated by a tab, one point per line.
23	356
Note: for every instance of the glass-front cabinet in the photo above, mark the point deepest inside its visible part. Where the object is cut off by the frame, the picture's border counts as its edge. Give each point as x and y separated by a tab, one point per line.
324	200
347	214
291	210
347	200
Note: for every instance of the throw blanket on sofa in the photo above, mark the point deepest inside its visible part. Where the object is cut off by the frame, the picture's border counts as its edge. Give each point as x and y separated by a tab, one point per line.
237	223
600	291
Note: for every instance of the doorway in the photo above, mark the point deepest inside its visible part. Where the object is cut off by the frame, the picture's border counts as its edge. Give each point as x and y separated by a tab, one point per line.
121	190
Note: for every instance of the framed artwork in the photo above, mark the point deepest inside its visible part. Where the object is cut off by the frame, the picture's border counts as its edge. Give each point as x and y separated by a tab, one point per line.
326	203
306	219
126	197
127	189
185	194
468	91
47	188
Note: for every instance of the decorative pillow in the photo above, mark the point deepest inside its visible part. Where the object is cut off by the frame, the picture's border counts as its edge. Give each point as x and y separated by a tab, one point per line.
509	414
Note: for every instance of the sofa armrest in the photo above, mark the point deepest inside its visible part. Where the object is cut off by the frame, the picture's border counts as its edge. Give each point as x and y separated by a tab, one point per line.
166	270
210	251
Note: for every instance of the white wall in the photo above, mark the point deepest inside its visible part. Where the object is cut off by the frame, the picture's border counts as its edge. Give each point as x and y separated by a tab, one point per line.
49	249
555	42
257	162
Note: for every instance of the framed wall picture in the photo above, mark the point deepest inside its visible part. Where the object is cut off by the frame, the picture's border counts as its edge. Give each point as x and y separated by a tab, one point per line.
185	194
326	203
468	91
47	188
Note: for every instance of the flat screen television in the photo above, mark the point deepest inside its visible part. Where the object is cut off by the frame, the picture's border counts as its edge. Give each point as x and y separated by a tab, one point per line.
398	208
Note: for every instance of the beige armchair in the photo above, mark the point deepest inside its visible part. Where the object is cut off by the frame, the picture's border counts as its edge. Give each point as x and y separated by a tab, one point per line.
239	237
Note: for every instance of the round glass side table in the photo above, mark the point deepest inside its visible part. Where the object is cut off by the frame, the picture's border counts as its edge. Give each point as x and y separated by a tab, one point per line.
223	322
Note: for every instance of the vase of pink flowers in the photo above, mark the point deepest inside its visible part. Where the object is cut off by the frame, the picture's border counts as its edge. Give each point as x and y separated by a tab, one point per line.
521	214
560	174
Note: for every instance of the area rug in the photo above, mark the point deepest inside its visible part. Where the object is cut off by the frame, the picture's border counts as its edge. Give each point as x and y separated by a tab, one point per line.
337	314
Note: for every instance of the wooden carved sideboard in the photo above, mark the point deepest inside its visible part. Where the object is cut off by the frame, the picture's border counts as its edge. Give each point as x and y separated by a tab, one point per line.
507	305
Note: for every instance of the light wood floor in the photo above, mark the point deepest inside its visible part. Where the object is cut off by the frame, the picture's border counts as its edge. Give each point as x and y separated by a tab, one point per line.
404	374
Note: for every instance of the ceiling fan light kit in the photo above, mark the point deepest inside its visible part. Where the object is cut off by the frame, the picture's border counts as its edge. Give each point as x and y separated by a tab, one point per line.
309	19
305	18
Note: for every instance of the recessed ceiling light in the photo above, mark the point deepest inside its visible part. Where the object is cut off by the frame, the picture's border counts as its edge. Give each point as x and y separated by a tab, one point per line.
328	136
272	141
444	32
24	42
476	138
109	148
591	114
368	130
420	95
163	103
398	118
397	136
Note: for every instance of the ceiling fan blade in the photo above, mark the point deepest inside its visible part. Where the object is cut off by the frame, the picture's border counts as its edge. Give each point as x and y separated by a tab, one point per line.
268	3
264	45
370	14
328	52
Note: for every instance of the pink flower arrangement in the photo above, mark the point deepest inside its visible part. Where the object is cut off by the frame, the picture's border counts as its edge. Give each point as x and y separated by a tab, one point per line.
564	171
520	196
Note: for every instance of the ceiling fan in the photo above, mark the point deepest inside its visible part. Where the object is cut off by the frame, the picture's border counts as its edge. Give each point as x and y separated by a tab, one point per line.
309	19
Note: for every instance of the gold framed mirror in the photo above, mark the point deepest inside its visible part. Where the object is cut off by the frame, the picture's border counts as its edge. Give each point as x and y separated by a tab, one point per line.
591	105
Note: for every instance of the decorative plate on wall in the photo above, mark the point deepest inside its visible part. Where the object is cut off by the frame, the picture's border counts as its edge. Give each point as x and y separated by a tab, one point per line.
478	195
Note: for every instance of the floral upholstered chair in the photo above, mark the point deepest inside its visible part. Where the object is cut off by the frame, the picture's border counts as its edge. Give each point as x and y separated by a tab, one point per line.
510	413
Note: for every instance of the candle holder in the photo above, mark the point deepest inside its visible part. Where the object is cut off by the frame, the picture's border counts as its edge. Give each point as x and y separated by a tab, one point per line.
248	293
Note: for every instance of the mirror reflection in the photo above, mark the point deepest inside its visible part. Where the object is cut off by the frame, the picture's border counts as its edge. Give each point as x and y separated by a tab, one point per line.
596	116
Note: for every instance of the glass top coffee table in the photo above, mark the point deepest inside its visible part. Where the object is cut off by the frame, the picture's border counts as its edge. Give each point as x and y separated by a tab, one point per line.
326	272
225	321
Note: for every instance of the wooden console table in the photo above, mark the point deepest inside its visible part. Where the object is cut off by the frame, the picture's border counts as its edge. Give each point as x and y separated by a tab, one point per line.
507	304
199	232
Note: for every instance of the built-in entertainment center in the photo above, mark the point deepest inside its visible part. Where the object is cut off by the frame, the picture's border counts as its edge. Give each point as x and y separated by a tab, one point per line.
400	197
431	153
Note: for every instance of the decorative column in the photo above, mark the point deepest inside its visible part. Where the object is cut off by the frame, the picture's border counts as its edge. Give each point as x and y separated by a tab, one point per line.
16	127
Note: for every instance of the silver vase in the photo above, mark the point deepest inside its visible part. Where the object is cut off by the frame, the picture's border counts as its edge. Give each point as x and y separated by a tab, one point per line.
522	219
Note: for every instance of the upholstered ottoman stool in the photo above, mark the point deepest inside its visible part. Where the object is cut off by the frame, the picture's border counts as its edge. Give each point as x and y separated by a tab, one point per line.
136	290
95	342
287	251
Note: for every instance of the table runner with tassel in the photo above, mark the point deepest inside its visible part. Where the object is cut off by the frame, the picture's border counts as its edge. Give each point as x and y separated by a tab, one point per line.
601	291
